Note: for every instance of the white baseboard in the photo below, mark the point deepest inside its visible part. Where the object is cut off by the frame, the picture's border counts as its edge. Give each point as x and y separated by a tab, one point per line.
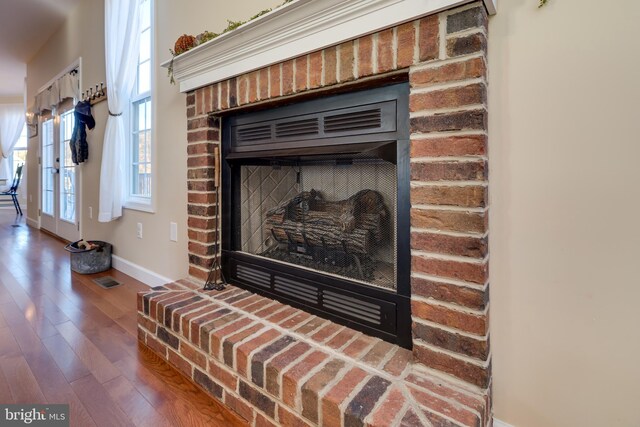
498	423
147	277
34	223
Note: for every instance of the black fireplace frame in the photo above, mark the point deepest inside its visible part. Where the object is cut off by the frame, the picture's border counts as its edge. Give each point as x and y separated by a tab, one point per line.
325	295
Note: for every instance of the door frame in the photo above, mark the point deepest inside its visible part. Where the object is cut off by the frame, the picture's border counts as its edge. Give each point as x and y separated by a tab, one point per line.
77	65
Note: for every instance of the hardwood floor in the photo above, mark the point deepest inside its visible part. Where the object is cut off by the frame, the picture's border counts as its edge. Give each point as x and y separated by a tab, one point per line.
63	339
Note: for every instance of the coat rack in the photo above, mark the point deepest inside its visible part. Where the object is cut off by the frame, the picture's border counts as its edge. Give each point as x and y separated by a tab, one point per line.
93	97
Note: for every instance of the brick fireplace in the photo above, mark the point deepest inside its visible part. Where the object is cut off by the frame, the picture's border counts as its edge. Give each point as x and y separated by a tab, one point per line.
278	365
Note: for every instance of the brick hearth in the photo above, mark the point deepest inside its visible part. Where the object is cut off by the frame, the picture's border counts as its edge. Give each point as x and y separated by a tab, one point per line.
444	58
281	366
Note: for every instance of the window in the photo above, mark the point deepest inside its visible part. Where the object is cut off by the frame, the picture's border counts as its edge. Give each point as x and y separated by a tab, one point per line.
140	151
47	167
67	169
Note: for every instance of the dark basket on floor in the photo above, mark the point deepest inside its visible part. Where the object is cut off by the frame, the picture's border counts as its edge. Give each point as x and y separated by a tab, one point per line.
89	261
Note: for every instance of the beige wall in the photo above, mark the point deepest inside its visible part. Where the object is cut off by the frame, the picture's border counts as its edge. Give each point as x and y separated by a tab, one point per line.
11	99
564	193
83	36
565	245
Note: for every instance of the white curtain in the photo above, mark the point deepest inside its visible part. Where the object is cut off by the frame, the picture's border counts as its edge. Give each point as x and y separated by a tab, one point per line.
48	98
68	86
11	124
122	33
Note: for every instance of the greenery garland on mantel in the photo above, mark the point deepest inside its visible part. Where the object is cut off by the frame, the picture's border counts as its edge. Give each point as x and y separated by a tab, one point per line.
187	42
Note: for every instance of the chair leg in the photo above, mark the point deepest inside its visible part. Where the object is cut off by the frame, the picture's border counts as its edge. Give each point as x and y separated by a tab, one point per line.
16	204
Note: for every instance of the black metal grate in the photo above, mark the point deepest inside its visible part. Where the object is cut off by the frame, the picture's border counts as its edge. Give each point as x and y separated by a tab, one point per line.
107	282
297	128
292	127
366	311
253	133
295	289
352	307
352	121
257	277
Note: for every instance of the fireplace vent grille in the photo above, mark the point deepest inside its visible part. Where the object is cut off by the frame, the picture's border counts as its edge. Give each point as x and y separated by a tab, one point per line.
254	133
297	128
370	312
263	132
356	120
351	306
296	289
257	277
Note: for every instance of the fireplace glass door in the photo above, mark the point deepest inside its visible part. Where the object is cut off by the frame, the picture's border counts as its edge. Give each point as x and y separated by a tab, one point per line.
336	216
315	207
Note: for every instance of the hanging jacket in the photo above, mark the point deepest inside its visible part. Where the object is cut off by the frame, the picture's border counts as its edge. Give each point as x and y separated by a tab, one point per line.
78	143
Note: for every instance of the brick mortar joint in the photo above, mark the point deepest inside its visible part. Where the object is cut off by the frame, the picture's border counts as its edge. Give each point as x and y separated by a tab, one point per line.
460	234
306	377
444	86
433	65
453	307
455	258
328	386
415	183
449	159
450	329
450	208
207	217
467	32
482	364
444	134
443	111
450	281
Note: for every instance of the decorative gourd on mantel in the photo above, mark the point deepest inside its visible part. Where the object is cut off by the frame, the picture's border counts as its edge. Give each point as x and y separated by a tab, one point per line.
187	42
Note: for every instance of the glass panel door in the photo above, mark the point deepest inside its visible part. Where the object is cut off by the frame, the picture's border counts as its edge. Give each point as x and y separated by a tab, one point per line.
59	178
67	227
47	173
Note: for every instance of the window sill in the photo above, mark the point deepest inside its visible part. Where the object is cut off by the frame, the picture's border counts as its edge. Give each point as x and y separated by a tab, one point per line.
137	206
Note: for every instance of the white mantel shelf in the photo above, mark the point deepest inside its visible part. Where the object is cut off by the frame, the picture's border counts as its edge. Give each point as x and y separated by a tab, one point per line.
298	28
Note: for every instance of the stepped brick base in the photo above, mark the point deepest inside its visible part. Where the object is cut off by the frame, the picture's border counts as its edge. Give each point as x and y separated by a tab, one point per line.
275	365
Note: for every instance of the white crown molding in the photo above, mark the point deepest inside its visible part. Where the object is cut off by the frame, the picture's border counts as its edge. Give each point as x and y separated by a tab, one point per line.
298	28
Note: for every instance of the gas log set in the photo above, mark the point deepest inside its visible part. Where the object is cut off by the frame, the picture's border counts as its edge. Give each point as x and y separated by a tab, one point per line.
337	237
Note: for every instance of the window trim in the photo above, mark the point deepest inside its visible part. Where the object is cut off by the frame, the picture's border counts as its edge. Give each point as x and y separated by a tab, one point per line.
131	201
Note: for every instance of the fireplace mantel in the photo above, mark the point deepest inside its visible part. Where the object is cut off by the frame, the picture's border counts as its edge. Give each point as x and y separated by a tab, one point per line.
300	27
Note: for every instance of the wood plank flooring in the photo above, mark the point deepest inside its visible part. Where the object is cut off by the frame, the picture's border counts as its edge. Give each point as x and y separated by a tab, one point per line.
64	339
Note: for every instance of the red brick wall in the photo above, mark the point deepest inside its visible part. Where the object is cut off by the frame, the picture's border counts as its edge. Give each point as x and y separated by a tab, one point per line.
445	58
